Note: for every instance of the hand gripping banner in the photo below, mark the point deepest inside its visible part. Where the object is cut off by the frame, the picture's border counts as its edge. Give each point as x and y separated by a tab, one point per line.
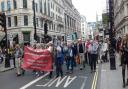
37	59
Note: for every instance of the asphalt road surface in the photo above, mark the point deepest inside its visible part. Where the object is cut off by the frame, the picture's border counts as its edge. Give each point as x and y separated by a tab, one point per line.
80	79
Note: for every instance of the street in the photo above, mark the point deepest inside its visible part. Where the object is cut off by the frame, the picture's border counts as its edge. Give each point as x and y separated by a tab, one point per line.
80	79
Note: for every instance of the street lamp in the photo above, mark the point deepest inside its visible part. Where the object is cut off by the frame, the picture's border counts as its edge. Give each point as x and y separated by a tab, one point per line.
112	40
34	20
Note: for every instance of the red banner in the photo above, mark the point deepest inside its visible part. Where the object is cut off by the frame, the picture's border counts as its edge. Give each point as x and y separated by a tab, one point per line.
37	59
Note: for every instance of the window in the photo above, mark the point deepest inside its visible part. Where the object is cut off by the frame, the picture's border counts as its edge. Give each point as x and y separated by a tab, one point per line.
45	10
127	9
41	22
9	5
26	37
48	9
15	21
2	6
51	4
36	7
25	20
14	4
24	3
37	24
40	6
9	21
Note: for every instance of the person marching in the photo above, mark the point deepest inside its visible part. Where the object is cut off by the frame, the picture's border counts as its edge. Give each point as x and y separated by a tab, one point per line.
87	52
70	59
94	47
50	49
81	53
18	55
105	51
124	59
59	60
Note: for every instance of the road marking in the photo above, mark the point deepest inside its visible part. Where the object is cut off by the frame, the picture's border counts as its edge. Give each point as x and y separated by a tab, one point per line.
68	81
95	80
60	81
46	83
83	84
57	81
34	81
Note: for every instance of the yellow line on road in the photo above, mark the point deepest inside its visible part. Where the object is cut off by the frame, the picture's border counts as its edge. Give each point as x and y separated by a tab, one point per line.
95	80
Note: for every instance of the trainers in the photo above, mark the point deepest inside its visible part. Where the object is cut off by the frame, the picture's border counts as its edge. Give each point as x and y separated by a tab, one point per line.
127	82
123	85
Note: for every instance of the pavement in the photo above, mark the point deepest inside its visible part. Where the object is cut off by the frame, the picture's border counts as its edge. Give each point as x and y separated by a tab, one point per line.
2	66
110	79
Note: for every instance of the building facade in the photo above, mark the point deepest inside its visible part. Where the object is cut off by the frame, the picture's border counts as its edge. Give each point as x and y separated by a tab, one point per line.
72	21
54	13
84	28
121	17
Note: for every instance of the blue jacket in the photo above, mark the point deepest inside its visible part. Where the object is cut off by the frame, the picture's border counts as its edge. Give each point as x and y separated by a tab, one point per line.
59	57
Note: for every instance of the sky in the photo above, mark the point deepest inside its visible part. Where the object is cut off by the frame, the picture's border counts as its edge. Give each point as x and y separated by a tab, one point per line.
89	8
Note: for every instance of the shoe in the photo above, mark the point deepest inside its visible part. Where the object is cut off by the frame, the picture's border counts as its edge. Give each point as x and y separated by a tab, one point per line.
71	72
57	76
23	72
91	71
94	70
120	65
18	75
127	82
81	68
123	85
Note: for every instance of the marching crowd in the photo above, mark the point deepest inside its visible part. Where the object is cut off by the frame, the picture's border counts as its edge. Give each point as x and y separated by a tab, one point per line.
71	54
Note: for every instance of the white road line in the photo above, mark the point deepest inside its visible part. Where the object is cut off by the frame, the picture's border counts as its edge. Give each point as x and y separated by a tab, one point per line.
34	81
83	84
69	81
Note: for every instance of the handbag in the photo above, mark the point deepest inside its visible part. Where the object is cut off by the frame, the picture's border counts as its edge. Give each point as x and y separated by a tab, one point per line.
77	59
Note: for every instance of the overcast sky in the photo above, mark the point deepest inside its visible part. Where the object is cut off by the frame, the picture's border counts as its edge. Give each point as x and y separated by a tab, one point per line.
89	8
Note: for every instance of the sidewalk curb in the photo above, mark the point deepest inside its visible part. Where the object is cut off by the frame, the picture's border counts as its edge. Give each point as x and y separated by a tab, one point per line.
6	70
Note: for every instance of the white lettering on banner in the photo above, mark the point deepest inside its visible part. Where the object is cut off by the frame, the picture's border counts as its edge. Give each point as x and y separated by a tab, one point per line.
68	81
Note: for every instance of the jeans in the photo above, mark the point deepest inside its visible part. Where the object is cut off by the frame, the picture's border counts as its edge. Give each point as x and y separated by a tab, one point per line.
18	65
82	59
93	61
70	63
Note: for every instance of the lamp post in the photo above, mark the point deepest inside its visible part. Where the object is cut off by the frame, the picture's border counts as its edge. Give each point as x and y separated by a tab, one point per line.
111	36
34	21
